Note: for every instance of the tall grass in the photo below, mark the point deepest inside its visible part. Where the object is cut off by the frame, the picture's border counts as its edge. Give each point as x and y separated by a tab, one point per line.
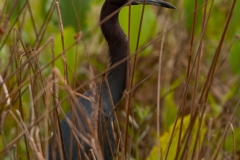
182	97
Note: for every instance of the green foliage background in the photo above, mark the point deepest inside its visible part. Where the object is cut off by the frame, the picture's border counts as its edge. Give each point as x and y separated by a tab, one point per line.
82	15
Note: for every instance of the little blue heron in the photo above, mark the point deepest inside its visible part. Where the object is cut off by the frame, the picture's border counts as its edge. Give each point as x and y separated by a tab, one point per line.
83	116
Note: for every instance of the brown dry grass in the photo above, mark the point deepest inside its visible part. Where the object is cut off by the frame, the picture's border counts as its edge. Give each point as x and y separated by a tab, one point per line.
193	67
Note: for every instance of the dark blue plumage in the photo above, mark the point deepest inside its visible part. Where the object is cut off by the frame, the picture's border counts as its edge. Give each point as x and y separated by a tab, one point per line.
85	112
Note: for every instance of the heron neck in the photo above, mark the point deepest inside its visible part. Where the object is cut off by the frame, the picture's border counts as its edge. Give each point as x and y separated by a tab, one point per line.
112	31
118	50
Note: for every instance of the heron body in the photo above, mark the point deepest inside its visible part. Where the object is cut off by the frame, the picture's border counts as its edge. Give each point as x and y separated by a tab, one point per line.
83	115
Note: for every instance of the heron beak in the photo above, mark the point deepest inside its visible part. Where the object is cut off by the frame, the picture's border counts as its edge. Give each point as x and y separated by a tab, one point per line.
154	2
